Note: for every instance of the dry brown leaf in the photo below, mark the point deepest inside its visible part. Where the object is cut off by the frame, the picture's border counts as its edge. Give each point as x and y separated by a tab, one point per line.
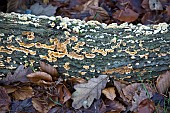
145	5
126	15
90	3
155	5
163	82
23	93
119	86
87	92
114	106
138	98
98	13
129	91
4	101
41	105
10	89
146	106
109	93
168	10
76	80
63	93
18	76
37	76
49	69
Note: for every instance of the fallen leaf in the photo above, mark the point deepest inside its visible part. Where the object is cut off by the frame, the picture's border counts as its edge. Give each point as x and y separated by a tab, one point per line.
163	82
155	5
168	10
61	109
87	92
24	106
23	93
63	93
146	106
37	76
18	76
4	100
49	69
114	106
145	5
90	3
138	98
10	89
126	15
76	80
109	93
136	6
119	86
158	99
41	105
130	90
98	106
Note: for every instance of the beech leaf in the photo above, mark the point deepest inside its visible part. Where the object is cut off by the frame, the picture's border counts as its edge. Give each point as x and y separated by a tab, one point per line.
4	100
109	93
38	76
23	93
163	82
127	15
49	69
87	92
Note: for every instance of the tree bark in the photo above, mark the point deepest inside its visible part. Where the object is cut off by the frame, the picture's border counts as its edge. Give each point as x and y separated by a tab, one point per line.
76	48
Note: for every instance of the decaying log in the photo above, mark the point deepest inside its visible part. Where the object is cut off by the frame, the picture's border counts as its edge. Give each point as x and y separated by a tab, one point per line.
84	49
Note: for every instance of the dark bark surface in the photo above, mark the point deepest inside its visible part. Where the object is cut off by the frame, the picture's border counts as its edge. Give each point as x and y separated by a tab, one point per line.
84	49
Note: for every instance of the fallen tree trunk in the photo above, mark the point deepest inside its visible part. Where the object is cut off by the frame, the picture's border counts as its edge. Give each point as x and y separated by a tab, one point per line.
84	49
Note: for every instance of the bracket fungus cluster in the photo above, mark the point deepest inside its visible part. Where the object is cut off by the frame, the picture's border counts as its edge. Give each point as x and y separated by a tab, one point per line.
86	49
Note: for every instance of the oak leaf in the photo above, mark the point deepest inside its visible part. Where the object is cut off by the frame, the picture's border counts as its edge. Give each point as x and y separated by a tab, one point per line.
87	92
163	82
109	93
18	76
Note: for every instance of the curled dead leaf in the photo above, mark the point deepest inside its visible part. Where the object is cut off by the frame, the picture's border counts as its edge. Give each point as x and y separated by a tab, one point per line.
163	82
64	93
49	69
109	93
37	76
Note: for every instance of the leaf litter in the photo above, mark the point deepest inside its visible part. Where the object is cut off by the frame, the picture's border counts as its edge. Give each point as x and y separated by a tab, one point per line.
45	91
42	92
